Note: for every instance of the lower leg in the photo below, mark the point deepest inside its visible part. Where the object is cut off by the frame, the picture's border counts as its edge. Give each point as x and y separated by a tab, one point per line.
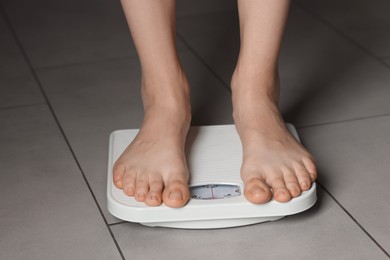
274	163
153	167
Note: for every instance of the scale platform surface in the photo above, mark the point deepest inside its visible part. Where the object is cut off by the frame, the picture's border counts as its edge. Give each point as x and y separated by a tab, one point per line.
214	156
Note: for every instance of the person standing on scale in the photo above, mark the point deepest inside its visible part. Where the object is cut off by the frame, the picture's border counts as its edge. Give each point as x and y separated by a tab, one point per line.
153	167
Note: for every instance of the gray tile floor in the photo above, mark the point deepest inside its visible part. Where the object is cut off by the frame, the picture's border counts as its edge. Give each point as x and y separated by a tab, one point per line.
69	75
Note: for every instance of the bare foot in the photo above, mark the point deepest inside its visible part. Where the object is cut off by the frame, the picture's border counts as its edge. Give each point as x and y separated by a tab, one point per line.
153	167
274	163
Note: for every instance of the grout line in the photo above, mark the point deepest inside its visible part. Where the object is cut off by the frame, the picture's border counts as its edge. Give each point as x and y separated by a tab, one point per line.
35	76
338	31
355	220
22	106
344	121
192	50
91	62
117	223
130	57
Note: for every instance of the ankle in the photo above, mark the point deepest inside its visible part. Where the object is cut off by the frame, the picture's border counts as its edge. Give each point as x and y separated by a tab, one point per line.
255	98
265	73
259	79
177	110
248	94
167	94
165	79
169	120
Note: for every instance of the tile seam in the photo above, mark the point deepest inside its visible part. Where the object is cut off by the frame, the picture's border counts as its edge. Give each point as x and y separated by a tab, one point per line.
22	106
343	121
117	223
334	28
35	76
201	60
355	221
92	62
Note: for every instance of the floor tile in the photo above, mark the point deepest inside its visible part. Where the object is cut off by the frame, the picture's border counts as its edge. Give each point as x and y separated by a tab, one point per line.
17	85
309	235
19	91
91	101
82	50
324	78
215	37
353	162
387	61
189	7
46	209
365	22
67	32
12	62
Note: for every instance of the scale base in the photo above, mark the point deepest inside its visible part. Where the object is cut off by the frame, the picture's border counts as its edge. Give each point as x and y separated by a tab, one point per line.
214	157
213	224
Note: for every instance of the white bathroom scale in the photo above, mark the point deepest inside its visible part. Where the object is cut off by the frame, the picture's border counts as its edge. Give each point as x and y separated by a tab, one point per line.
214	156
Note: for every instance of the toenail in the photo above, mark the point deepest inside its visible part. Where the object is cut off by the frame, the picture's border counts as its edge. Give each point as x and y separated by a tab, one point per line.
304	185
176	195
257	189
141	194
154	197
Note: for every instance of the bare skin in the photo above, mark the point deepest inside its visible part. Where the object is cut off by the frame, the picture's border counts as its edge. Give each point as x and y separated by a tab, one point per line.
153	168
274	163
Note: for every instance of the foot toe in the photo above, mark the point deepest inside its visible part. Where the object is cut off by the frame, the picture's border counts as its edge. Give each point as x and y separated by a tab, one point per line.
279	190
294	189
141	189
281	194
128	184
176	194
153	198
119	171
129	190
303	177
291	183
256	191
310	168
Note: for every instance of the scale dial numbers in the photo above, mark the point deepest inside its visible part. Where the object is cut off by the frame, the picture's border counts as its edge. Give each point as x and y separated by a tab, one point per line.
214	191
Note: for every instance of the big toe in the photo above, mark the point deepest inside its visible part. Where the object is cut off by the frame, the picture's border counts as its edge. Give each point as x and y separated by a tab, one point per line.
257	192
176	194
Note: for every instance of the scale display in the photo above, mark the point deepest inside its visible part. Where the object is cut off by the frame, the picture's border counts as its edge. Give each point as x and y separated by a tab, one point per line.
214	191
214	158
